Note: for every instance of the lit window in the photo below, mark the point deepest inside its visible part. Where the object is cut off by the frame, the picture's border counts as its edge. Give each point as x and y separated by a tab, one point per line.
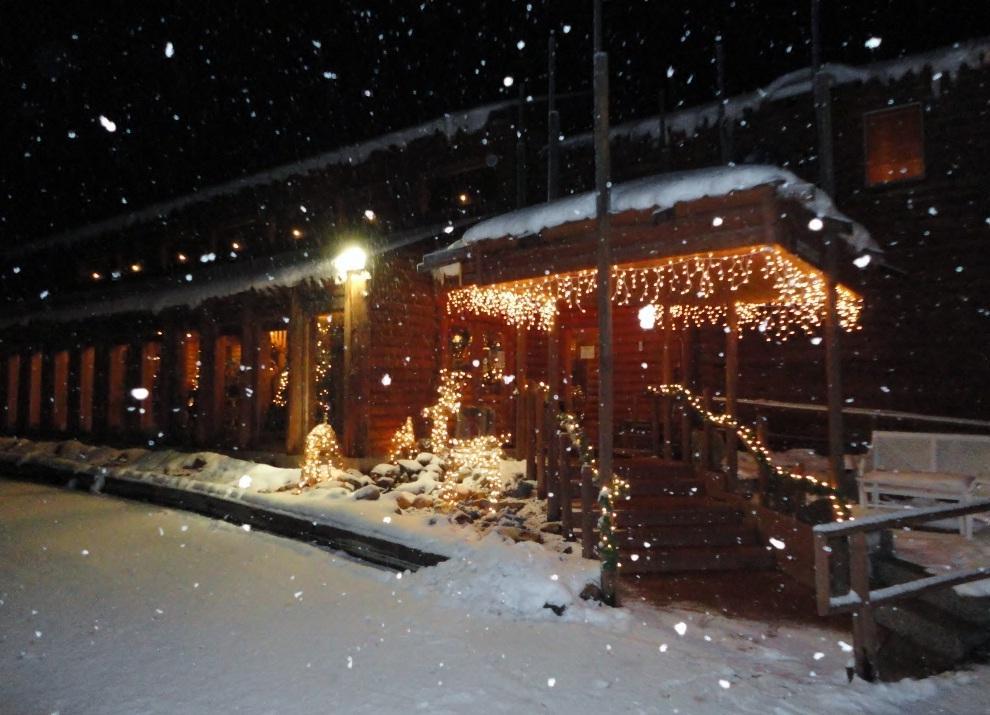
895	147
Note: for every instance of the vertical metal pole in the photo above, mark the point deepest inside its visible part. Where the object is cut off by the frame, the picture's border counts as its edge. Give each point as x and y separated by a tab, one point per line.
553	123
604	279
724	135
662	131
826	173
521	148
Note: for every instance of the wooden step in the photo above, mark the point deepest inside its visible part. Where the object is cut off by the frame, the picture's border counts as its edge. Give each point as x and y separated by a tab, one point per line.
696	558
733	534
665	487
651	467
932	628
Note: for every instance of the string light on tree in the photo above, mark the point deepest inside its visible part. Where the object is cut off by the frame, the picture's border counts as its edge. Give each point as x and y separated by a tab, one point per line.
403	444
448	403
321	455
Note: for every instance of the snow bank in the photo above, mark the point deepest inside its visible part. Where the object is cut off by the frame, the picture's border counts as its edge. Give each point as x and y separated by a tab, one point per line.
662	192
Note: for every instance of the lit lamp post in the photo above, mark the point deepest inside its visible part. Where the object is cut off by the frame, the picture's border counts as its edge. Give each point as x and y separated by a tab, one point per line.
350	267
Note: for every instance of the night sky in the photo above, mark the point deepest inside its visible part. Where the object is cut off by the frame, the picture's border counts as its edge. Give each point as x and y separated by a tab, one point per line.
203	92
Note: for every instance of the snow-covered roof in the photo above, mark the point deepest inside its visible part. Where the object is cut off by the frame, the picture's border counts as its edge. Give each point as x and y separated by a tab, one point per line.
662	192
945	61
469	121
193	290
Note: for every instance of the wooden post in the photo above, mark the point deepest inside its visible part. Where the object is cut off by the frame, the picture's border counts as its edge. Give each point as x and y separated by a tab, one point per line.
865	642
732	393
357	336
587	512
553	476
248	397
823	106
48	391
171	404
101	390
833	370
539	437
603	277
662	131
300	384
520	439
553	362
667	402
656	426
24	393
73	398
707	431
566	507
687	380
762	435
206	406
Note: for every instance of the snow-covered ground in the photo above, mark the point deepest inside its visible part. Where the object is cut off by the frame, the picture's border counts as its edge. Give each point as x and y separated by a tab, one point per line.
114	607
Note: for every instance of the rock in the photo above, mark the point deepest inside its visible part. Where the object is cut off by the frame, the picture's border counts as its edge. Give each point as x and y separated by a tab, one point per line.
434	468
355	481
559	610
410	465
336	493
337	484
522	489
425	458
196	464
592	592
385	482
512	506
370	492
518	534
423	501
385	470
416	487
462	518
404	500
552	527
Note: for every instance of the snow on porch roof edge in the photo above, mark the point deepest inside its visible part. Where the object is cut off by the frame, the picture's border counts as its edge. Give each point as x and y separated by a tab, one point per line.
660	192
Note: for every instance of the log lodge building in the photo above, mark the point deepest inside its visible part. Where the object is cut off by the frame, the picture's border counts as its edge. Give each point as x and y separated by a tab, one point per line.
235	317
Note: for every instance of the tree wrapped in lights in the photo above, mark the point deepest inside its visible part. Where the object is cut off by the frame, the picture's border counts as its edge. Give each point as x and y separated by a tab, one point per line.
452	383
322	455
475	462
403	444
807	483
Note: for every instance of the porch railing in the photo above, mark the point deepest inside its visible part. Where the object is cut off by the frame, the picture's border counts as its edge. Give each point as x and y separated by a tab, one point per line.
778	488
833	540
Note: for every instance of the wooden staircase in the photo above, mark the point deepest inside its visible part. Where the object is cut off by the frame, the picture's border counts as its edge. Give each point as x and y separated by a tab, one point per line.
669	524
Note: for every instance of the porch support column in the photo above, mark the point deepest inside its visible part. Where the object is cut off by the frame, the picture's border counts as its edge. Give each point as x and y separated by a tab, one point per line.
101	388
206	406
667	403
521	436
357	349
73	390
24	393
169	365
687	380
246	424
48	390
732	392
833	371
300	387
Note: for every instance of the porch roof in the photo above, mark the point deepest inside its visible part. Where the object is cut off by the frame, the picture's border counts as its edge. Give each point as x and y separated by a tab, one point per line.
654	195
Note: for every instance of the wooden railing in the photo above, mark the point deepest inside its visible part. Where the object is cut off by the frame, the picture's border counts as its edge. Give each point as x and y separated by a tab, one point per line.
844	546
777	488
554	460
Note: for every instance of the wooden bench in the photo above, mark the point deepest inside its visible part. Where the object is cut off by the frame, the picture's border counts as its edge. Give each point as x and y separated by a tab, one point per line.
876	485
924	465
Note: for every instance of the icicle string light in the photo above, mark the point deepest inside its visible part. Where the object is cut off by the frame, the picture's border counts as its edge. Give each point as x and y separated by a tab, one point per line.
674	288
747	436
608	494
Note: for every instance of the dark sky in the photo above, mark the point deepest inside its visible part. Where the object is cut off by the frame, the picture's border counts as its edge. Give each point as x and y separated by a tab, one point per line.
254	84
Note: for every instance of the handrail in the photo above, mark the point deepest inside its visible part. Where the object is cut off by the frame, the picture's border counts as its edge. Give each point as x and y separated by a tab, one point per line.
860	598
749	439
862	412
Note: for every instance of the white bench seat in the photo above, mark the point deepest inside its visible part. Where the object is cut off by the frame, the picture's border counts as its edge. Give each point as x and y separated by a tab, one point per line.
876	487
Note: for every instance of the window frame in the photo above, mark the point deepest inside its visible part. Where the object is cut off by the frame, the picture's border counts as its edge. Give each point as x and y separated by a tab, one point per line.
866	146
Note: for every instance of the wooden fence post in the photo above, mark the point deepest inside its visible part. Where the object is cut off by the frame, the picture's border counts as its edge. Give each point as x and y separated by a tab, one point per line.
706	435
864	626
587	512
763	470
564	487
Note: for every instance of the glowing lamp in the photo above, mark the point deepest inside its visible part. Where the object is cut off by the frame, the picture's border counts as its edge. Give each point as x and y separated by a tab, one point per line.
647	317
352	259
